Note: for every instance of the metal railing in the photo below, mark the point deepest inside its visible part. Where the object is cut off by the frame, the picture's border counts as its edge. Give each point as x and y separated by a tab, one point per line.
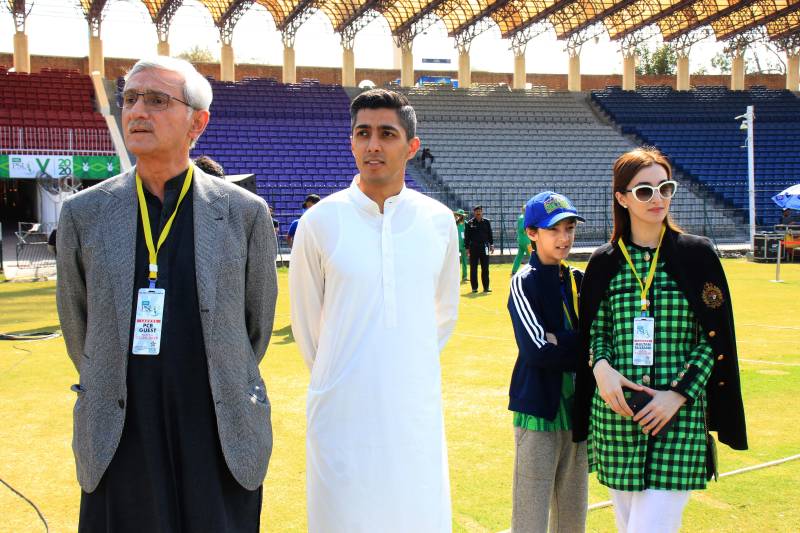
55	141
696	210
32	247
718	221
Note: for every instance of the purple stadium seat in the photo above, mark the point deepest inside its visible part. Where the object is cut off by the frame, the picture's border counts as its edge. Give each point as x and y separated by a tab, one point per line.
294	138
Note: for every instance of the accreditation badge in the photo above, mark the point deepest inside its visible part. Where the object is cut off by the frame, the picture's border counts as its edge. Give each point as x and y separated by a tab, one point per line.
149	320
643	340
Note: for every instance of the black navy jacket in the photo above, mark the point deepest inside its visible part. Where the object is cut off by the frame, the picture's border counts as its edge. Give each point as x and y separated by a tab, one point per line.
694	265
535	306
478	234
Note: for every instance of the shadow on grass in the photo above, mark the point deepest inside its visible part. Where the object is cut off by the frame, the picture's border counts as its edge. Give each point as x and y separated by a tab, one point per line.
54	328
286	333
16	290
479	294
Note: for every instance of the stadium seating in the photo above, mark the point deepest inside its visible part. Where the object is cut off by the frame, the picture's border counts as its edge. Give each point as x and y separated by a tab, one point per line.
497	147
294	137
52	110
698	131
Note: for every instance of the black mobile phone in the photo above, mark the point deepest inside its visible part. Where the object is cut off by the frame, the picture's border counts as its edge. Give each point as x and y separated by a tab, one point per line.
638	399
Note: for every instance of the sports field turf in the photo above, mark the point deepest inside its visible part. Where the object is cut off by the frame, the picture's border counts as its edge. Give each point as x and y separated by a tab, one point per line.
36	403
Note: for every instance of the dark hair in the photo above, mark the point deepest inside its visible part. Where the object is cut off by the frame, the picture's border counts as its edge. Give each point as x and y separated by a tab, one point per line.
313	198
209	166
385	99
625	169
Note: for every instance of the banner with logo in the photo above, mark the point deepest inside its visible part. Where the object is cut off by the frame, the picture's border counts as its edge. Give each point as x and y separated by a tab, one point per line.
58	166
95	167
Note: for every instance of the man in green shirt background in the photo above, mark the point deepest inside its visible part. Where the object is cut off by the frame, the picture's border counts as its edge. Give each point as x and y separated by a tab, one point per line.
460	215
523	243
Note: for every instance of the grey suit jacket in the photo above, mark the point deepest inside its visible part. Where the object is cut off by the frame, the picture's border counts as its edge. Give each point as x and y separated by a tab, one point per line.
235	250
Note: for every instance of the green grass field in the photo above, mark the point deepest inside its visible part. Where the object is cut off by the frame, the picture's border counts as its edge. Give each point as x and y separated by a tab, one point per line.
36	406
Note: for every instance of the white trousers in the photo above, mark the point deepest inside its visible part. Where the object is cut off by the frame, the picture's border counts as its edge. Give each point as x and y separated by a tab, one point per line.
650	510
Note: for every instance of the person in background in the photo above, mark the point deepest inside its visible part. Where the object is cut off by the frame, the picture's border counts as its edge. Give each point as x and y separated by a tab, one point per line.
523	243
275	223
310	201
479	243
209	166
790	217
460	216
51	241
427	158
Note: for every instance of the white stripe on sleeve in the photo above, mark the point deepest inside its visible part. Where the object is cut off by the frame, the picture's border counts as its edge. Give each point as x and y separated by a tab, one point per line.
525	313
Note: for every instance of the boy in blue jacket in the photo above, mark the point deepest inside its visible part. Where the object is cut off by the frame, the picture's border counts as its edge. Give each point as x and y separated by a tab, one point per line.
550	471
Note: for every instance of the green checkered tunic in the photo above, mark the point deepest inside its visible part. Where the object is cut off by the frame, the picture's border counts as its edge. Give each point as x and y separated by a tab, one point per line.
624	457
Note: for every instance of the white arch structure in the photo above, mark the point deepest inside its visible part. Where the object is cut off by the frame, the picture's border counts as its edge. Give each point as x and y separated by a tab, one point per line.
681	23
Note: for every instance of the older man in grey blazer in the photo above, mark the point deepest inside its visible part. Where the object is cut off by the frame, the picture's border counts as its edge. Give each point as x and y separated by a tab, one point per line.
166	295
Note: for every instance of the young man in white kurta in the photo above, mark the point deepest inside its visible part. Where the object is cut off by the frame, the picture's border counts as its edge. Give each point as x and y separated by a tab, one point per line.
374	287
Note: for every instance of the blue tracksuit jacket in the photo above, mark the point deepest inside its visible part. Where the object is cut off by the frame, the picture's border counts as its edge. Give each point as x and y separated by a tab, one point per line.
535	306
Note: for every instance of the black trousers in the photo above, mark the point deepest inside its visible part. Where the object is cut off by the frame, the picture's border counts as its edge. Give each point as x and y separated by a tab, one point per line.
481	256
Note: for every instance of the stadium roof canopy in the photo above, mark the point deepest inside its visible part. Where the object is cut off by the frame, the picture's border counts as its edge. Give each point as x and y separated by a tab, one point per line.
620	18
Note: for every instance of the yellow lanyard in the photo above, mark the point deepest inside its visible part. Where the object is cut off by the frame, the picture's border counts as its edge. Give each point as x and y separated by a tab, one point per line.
645	286
574	287
148	235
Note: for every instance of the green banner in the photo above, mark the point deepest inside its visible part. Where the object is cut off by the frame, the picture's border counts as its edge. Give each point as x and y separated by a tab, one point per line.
95	167
92	167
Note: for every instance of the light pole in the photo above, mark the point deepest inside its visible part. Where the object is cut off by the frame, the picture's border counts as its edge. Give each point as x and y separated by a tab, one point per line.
747	124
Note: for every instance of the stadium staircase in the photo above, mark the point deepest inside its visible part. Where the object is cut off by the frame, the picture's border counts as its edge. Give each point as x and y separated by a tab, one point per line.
698	131
497	147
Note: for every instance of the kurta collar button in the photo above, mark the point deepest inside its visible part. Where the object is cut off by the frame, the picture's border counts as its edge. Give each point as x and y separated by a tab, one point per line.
720	357
712	333
721	384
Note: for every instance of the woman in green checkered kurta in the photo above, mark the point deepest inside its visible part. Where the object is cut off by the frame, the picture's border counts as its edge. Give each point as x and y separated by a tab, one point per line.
649	470
626	458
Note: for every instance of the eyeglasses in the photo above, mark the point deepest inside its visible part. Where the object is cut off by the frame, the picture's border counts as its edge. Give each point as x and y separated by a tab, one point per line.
644	193
153	100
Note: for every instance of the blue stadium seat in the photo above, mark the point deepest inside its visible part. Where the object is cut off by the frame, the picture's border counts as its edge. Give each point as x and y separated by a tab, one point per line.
698	132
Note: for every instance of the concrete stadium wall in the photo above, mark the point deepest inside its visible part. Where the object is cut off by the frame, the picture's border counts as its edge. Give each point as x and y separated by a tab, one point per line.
117	67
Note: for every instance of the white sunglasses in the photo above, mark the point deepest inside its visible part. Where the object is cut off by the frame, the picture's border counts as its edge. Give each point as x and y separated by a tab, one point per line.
644	193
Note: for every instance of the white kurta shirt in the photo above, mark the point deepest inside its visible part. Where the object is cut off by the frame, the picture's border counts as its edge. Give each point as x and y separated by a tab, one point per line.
374	299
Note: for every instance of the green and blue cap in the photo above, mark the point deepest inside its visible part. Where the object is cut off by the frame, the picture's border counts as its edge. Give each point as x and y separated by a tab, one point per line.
547	209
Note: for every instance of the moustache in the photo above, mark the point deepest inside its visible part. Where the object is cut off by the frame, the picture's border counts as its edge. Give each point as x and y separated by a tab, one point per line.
139	125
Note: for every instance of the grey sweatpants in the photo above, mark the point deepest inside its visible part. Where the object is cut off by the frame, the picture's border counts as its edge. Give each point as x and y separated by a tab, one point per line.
551	478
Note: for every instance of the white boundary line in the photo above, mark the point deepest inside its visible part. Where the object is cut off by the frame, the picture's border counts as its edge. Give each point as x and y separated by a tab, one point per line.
762	465
607	503
770	326
762	362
